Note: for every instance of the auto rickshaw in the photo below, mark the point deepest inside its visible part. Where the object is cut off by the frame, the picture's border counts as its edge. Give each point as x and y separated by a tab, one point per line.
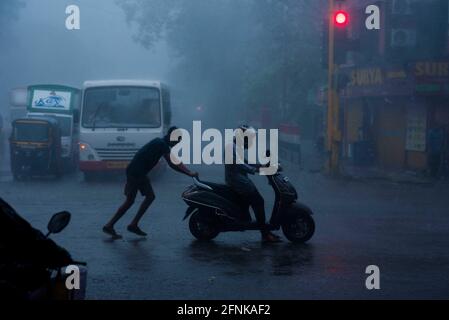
35	146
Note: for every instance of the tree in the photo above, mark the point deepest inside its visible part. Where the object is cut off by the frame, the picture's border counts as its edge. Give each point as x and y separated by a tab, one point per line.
9	10
237	55
290	63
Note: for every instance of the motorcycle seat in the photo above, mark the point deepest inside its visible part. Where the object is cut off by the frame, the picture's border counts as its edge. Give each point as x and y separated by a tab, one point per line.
228	193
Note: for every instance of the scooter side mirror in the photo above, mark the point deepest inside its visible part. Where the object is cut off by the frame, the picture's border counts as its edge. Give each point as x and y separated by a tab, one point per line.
58	222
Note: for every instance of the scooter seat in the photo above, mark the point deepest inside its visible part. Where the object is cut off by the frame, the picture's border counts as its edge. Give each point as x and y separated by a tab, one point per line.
228	193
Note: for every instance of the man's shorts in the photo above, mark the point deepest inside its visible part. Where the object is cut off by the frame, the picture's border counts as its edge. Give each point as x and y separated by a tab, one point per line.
135	184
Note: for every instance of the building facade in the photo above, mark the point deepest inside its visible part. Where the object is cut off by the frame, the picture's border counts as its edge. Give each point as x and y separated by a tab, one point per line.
394	106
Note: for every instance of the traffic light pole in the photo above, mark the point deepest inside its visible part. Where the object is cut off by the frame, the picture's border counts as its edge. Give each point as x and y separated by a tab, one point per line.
333	132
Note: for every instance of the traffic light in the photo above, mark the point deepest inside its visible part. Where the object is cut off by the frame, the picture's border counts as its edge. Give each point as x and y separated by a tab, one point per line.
342	43
341	36
341	19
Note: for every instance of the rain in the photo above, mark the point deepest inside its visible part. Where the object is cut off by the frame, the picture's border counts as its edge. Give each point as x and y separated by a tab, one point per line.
351	98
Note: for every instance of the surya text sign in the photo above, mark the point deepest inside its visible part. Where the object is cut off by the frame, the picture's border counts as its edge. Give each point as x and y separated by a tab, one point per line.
422	77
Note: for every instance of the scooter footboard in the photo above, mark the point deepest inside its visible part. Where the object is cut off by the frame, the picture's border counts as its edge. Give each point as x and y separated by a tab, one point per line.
206	199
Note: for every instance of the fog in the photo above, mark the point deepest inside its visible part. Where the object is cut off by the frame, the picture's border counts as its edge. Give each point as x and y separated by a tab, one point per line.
226	61
223	59
39	49
361	135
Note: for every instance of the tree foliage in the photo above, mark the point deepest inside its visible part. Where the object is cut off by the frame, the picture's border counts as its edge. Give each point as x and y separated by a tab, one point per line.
237	55
9	10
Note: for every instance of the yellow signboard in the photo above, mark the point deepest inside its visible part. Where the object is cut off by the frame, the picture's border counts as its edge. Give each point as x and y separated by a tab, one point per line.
117	164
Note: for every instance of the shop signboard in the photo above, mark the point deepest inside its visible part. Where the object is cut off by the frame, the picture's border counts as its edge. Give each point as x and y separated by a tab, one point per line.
421	78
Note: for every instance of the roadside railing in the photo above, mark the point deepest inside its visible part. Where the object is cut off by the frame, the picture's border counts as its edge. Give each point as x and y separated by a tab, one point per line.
290	143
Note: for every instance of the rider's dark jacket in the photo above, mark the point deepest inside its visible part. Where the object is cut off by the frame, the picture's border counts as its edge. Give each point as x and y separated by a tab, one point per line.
236	174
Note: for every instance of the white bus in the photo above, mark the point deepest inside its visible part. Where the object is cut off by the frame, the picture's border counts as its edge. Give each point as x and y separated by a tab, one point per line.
118	117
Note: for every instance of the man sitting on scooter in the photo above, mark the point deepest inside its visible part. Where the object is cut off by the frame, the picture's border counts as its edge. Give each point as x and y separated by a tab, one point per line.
236	176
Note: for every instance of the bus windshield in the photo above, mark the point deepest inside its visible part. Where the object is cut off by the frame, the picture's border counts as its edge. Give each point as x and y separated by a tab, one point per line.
121	107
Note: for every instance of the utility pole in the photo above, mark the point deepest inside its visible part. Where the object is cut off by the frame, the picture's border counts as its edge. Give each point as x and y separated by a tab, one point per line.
333	130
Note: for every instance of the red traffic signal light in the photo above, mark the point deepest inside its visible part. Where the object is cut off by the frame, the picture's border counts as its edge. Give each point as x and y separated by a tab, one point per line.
341	18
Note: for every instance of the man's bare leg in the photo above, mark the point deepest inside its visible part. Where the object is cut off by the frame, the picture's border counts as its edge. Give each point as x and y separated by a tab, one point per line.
109	227
134	225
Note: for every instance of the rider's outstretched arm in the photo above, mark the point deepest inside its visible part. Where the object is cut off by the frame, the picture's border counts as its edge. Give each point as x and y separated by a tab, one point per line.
180	167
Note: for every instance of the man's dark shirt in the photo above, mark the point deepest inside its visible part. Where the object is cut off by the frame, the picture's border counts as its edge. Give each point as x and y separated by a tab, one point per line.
147	157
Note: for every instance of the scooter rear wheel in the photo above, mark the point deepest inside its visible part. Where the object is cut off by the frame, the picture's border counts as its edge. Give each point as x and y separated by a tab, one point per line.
299	228
202	227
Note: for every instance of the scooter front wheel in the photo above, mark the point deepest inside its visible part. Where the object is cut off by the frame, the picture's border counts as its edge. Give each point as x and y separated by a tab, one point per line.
202	227
299	228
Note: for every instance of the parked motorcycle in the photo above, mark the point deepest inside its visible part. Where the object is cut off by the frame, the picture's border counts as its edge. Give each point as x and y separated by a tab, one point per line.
215	208
32	265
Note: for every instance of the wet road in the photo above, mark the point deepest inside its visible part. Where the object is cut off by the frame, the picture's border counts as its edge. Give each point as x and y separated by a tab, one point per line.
403	229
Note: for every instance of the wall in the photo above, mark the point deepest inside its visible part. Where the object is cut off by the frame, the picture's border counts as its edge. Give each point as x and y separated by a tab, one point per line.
390	134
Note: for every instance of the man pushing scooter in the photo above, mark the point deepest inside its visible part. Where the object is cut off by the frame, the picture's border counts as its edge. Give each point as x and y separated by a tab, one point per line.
137	180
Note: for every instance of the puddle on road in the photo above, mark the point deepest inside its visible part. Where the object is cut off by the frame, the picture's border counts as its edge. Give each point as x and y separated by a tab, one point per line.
280	260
